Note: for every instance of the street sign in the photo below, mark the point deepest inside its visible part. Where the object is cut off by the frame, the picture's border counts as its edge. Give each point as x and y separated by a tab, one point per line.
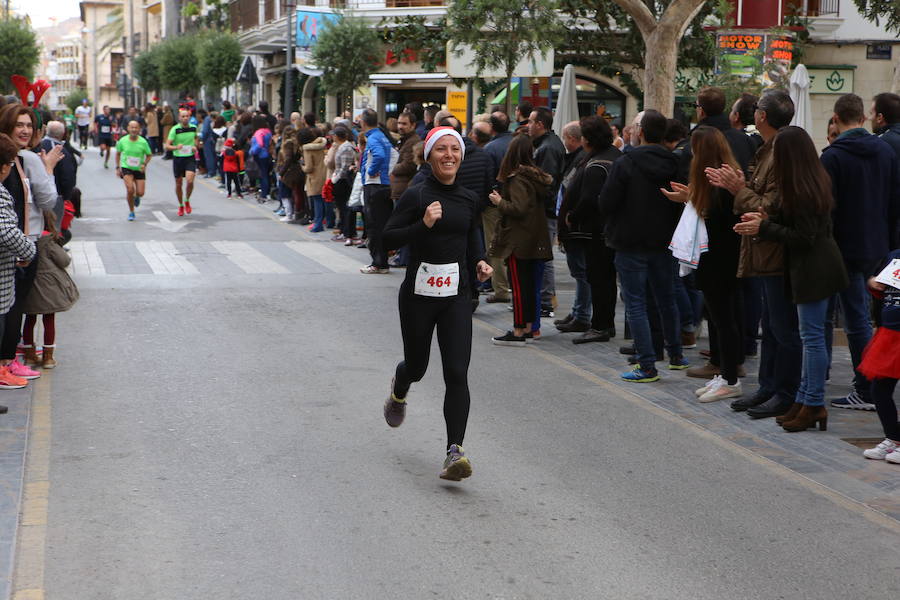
463	67
457	103
830	80
247	73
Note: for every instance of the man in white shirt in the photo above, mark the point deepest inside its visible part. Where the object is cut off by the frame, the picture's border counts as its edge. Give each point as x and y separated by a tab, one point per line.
83	121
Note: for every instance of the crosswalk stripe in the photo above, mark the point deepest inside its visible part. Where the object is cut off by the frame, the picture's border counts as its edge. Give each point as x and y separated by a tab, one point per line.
325	256
164	259
248	259
86	258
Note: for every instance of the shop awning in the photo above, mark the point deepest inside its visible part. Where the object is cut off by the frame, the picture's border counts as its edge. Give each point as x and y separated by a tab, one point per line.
500	98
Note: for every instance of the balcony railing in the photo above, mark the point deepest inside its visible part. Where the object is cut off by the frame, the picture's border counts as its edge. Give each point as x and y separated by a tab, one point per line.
819	8
244	14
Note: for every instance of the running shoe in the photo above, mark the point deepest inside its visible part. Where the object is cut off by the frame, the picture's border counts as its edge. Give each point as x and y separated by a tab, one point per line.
639	375
20	370
679	363
394	409
137	201
8	381
709	384
509	339
131	216
181	211
373	270
456	466
881	451
187	206
722	391
853	401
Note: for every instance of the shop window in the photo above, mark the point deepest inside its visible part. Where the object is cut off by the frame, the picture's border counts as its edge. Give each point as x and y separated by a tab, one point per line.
596	98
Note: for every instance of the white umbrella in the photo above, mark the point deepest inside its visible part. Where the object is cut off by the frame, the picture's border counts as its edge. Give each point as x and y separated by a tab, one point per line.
800	96
566	102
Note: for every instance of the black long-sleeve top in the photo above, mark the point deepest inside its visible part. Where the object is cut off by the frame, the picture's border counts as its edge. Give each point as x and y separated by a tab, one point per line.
455	237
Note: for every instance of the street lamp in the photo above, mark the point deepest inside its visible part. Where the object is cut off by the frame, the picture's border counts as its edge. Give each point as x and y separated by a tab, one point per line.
289	5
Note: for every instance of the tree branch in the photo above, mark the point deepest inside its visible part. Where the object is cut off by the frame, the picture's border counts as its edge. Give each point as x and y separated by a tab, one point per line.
680	14
641	14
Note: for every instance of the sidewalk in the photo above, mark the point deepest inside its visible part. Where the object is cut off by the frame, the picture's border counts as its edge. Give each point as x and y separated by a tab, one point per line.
828	458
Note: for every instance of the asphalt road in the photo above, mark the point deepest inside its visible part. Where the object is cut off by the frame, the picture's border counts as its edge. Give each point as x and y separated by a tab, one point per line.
214	430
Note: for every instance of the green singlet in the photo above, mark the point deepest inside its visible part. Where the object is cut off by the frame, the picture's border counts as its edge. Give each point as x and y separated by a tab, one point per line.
132	153
184	136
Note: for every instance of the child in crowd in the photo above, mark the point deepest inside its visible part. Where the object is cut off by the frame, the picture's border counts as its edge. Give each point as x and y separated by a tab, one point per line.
232	166
881	365
53	291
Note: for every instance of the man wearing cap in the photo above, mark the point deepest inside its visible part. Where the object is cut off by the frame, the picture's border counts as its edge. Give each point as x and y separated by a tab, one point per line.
439	221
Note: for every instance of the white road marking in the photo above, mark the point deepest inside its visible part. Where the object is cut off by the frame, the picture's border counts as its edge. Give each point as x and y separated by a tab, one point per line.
163	259
247	258
86	258
165	224
329	258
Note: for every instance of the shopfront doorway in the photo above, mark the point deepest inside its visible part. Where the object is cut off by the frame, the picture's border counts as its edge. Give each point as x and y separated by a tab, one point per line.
395	98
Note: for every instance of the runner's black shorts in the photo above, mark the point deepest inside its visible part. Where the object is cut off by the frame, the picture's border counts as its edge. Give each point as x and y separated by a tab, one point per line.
136	173
105	140
181	164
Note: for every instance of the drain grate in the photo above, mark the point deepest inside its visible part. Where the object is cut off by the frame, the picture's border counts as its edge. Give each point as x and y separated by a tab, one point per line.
863	443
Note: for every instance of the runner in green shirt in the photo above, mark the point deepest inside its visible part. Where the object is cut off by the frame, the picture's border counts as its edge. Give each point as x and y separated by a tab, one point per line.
183	142
133	154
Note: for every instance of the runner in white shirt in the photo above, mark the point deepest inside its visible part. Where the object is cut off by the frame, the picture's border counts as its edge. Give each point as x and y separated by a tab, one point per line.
83	121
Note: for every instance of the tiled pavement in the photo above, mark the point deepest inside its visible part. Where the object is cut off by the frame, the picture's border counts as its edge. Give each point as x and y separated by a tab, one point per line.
823	457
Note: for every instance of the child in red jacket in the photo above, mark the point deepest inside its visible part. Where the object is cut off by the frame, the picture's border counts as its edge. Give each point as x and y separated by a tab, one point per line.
233	166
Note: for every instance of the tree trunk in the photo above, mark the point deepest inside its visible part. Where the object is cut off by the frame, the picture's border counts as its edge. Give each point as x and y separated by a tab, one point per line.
660	68
509	111
895	85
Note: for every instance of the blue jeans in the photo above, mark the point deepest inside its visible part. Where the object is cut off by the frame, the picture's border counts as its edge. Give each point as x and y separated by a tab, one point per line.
781	354
636	269
811	316
265	172
209	157
690	301
319	211
539	267
576	258
857	326
548	275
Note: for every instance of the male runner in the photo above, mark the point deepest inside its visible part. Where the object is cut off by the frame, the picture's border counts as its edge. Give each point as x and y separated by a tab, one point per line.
103	126
83	121
133	155
183	142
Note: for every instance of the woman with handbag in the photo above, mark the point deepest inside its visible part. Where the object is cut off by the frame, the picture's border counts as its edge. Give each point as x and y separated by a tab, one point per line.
342	180
439	221
801	220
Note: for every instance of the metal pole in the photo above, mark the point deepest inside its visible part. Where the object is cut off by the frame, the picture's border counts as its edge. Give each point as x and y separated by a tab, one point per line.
289	64
469	99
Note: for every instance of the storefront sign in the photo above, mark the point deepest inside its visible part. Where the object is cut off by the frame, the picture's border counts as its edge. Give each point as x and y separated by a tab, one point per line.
755	54
457	102
309	25
830	80
529	65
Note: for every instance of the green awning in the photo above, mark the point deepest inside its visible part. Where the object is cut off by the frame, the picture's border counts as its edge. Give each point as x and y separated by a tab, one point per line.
500	98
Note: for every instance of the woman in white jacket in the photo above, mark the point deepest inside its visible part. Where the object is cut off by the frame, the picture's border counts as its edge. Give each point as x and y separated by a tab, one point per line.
33	190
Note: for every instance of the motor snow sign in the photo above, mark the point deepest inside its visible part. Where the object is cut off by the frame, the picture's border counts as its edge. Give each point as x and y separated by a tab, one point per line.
830	79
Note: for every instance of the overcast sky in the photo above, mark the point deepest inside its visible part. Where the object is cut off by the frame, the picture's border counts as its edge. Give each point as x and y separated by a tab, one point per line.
40	11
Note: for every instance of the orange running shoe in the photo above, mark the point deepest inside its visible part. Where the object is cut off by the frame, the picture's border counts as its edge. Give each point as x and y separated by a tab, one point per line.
180	211
8	381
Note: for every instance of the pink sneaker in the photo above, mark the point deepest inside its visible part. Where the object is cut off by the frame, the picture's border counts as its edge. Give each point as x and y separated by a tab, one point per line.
20	370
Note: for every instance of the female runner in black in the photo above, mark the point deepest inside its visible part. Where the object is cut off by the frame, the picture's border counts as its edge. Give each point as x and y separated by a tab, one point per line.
439	221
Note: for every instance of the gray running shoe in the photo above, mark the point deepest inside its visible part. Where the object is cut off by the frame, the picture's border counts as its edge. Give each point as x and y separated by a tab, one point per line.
456	466
394	410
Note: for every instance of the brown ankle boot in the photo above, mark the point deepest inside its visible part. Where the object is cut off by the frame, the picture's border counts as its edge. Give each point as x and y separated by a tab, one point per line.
806	418
790	415
48	362
31	357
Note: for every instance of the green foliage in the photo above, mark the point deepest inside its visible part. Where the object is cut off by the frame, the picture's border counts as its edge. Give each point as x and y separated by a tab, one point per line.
215	18
346	51
110	33
73	100
411	38
218	59
177	64
881	10
614	46
146	68
299	81
19	52
501	31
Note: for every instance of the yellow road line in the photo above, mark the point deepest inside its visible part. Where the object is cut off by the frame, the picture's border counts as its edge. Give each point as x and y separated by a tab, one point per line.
31	543
871	514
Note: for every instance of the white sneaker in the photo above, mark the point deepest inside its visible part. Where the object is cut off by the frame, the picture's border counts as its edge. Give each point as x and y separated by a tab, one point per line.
893	457
286	219
714	382
722	391
881	451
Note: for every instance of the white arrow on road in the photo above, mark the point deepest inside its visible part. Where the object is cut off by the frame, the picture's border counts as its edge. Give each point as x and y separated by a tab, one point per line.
167	225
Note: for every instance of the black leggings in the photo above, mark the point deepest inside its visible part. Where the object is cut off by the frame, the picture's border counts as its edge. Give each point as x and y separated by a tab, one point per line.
235	179
883	398
725	306
522	281
453	318
601	276
341	196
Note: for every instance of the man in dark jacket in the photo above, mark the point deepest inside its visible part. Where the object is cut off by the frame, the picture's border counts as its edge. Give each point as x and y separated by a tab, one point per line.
406	165
640	222
550	157
885	116
576	242
711	112
865	183
65	169
501	137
